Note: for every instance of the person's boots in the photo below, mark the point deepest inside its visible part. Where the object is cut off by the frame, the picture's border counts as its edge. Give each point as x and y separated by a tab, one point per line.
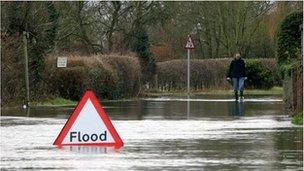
241	95
236	95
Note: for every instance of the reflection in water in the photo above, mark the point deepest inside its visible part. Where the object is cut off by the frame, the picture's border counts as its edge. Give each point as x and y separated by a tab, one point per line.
238	109
188	108
142	109
88	149
28	111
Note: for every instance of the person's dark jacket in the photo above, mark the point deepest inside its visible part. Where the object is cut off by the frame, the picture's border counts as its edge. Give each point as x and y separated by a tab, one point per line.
236	69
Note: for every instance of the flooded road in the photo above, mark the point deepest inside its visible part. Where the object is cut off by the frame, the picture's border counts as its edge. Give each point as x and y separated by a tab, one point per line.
159	134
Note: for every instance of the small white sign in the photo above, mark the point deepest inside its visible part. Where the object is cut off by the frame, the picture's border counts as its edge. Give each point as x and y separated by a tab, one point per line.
62	62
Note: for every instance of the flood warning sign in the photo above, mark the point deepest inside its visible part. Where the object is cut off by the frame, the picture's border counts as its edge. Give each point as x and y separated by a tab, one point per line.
89	125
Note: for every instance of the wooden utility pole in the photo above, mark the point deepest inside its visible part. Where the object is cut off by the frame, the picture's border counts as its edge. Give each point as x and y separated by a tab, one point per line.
26	69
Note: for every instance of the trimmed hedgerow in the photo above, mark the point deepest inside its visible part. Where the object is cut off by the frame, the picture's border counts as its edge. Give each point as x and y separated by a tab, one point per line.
110	77
210	74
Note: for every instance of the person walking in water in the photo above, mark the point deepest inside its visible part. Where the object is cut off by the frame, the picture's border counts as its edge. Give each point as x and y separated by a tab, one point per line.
237	74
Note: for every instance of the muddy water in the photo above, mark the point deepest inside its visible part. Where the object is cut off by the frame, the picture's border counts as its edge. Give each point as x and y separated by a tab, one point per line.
159	134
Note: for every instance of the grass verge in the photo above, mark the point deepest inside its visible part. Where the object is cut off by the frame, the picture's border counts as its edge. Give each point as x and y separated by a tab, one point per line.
58	101
298	119
157	93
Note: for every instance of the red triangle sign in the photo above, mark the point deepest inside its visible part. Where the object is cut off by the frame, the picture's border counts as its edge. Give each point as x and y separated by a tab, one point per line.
89	125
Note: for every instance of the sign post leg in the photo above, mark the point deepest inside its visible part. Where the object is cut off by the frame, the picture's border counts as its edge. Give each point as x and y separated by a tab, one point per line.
188	84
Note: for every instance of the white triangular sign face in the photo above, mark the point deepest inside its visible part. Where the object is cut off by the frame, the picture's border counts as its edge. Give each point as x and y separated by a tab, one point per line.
189	44
89	125
88	128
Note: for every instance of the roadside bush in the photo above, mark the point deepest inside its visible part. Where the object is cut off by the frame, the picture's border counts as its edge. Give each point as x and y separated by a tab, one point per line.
208	73
271	64
110	77
259	76
128	73
69	83
211	74
103	82
289	42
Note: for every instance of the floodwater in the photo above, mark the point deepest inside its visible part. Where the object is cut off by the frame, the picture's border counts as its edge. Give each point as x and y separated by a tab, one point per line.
215	133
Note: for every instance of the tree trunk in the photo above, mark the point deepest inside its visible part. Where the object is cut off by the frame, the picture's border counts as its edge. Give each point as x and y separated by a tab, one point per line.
117	6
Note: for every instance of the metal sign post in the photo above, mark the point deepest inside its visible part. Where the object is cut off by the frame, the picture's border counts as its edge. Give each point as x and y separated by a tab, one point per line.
189	46
188	84
188	73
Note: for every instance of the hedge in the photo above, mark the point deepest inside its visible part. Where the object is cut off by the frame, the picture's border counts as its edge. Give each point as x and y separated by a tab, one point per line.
110	76
259	76
211	74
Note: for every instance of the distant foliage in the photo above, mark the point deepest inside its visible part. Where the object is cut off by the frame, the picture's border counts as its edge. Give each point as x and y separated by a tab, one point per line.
210	74
289	42
54	24
141	46
163	52
39	21
259	76
12	80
